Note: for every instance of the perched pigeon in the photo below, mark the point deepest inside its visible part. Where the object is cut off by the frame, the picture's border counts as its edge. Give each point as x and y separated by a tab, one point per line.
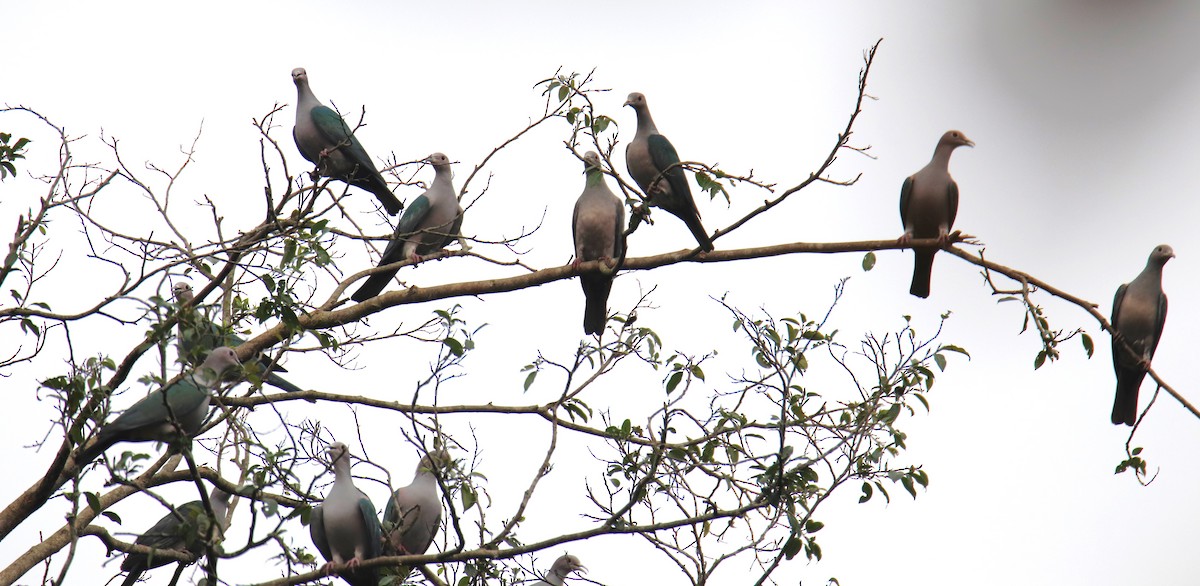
563	567
928	204
1139	312
651	157
198	335
185	528
431	221
598	226
325	140
345	527
414	512
170	414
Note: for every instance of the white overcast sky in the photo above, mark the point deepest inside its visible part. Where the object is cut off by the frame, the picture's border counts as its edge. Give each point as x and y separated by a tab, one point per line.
1082	111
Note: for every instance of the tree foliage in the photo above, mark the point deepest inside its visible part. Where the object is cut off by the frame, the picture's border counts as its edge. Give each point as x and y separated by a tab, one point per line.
704	469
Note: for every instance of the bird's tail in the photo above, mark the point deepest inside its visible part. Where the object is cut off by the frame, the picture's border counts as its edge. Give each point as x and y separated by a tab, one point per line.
373	286
132	577
922	272
91	452
698	231
281	383
595	309
1129	382
386	198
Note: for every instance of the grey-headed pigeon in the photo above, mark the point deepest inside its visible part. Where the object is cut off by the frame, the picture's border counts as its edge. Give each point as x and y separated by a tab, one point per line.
327	142
598	227
563	567
928	204
654	165
431	221
345	527
1139	312
414	512
187	528
197	335
169	414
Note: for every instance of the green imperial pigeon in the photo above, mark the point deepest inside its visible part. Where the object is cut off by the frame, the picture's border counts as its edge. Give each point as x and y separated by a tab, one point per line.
325	140
197	335
414	512
169	414
598	226
654	165
928	204
345	527
184	528
1139	312
563	567
431	221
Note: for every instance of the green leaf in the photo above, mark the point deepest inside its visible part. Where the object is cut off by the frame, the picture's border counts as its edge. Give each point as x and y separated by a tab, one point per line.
941	362
455	346
674	380
112	517
93	500
813	526
866	492
1040	360
868	261
792	547
1088	346
529	379
469	498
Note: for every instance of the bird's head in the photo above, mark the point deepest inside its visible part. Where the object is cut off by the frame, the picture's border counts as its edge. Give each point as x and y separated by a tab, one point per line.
591	160
437	160
955	138
636	100
299	76
182	292
337	451
1161	254
566	565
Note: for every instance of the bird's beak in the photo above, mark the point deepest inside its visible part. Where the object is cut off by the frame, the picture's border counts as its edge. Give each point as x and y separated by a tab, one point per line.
583	569
970	142
628	103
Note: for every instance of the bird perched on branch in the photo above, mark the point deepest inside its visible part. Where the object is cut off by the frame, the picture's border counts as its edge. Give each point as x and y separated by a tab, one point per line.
431	221
197	335
928	204
345	527
186	528
598	227
327	142
171	414
654	165
1139	313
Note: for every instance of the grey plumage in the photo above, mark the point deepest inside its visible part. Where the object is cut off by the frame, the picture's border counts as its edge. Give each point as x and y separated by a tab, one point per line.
327	142
414	512
928	205
170	414
598	227
563	567
187	528
1139	313
654	165
431	221
197	335
345	527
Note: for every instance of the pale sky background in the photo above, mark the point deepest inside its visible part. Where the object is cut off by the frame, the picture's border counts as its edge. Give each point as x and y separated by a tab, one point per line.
1081	111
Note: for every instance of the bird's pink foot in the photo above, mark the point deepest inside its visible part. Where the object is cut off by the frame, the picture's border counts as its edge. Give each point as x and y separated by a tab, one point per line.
352	564
416	258
904	239
327	569
575	264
